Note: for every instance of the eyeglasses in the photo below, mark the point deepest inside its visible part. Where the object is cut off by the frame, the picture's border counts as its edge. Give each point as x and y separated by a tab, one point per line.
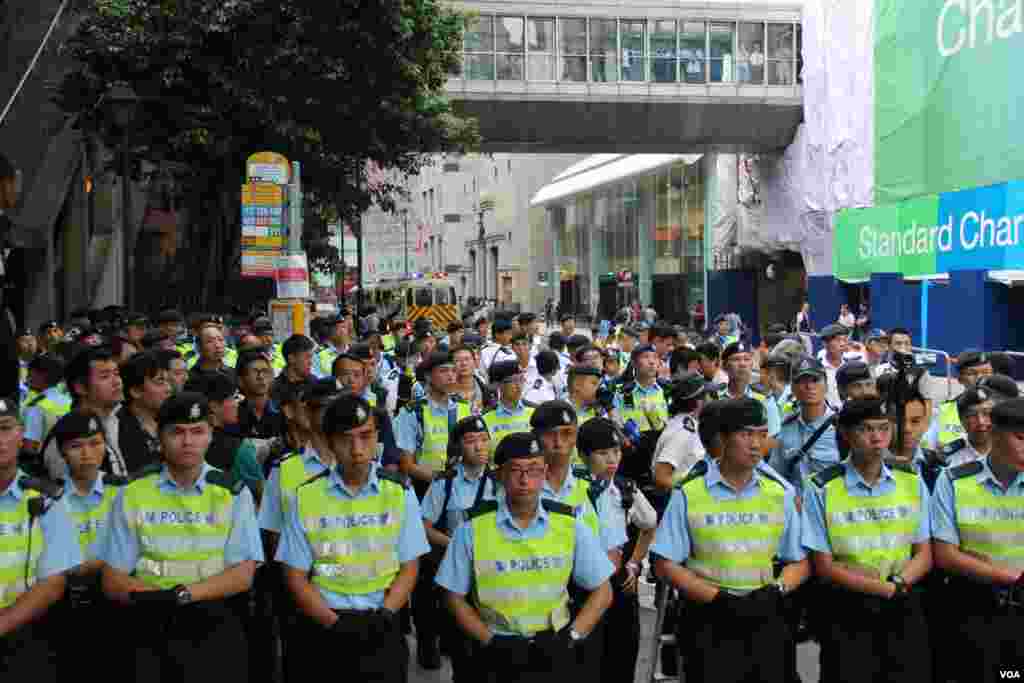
528	472
874	429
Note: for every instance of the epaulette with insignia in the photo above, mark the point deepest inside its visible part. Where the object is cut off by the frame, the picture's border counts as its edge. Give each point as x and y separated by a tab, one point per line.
581	472
482	508
44	485
279	459
966	470
538	383
828	474
319	475
394	477
699	469
114	480
224	480
791	418
774	476
689	423
558	508
147	471
954	446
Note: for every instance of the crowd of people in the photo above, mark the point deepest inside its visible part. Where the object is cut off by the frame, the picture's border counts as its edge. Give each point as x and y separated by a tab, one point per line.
217	498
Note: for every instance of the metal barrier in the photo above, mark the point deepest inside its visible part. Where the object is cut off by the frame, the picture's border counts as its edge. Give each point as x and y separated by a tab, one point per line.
664	595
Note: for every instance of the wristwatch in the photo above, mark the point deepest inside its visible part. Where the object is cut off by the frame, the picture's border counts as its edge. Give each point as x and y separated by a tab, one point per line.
575	638
781	585
900	583
183	595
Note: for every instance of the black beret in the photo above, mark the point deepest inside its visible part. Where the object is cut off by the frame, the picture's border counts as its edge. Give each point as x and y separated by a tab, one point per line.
972	397
734	348
552	414
517	445
971	358
503	370
852	371
833	331
584	371
346	412
741	413
501	325
1009	415
1001	386
808	365
566	316
776	360
188	407
468	425
643	348
262	326
598	434
526	318
856	411
75	425
433	360
691	385
322	391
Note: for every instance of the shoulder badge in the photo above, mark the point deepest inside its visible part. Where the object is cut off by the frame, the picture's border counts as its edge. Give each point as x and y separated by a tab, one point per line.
696	472
828	474
558	508
538	383
954	446
689	423
114	480
482	508
393	477
968	469
393	375
147	471
224	480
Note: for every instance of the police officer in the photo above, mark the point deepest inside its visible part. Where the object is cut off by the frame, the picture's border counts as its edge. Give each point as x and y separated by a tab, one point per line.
39	536
182	541
600	444
351	546
510	415
450	497
866	527
643	400
976	513
263	328
508	569
807	440
738	361
500	348
854	381
48	402
338	342
776	378
731	522
971	366
582	392
723	331
679	447
974	410
543	384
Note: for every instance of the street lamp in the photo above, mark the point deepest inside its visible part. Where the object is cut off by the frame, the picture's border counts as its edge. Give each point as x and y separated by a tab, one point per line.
484	205
121	105
405	240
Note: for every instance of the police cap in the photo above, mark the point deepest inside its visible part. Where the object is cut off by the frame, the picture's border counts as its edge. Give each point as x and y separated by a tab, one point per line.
473	424
971	358
262	327
692	385
1000	386
776	360
435	359
566	316
644	348
808	366
584	371
501	325
742	413
322	391
360	351
504	370
852	371
1009	415
346	412
188	407
734	348
597	434
472	341
972	397
876	334
517	445
75	425
834	330
858	410
526	318
552	414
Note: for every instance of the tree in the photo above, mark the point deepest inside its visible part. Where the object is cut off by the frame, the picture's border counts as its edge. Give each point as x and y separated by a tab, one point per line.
329	84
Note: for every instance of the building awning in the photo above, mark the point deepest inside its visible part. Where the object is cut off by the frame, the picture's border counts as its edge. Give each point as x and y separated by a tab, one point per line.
604	169
1010	278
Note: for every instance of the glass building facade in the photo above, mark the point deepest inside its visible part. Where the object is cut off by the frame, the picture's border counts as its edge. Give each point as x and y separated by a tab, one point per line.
623	50
636	239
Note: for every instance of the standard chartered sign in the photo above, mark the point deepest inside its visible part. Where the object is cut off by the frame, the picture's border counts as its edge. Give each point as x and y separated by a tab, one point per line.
980	229
948	88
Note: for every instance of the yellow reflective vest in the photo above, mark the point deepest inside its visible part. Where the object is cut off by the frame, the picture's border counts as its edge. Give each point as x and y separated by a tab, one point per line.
18	572
989	525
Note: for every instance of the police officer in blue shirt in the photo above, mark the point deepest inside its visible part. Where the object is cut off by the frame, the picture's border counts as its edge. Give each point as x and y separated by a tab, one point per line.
467	482
976	516
352	544
182	542
807	439
42	535
508	569
728	526
866	527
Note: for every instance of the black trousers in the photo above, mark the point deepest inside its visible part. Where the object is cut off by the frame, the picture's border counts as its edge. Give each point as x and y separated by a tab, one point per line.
459	647
26	655
427	609
78	626
529	663
621	644
262	627
589	654
989	633
202	641
719	645
874	639
359	652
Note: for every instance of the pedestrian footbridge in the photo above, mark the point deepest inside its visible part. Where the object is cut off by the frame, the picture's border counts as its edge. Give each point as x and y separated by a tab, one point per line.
631	77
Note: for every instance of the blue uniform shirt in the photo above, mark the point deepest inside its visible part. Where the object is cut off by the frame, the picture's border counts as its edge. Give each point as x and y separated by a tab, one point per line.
590	568
794	434
271	511
672	540
61	552
611	526
464	491
943	505
408	435
815	533
121	547
78	504
295	551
